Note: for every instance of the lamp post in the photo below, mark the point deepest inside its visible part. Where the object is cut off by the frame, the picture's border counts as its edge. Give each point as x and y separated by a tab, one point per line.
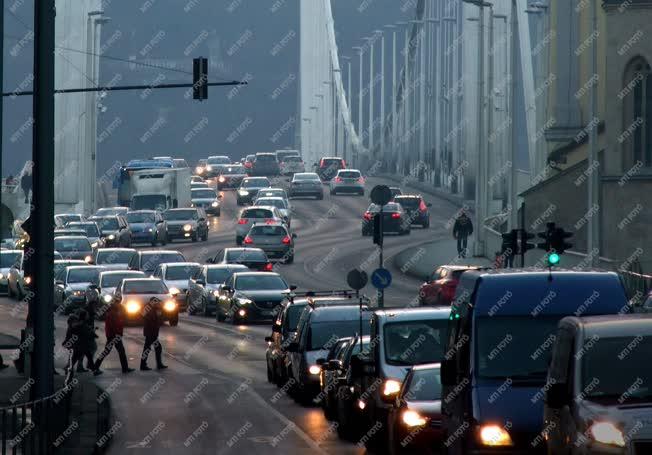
87	190
382	94
446	105
348	102
394	123
422	95
370	41
313	137
360	50
593	199
406	97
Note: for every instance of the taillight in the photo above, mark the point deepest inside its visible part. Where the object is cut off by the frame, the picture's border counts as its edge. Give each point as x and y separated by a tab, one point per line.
269	221
221	179
248	240
396	215
247	164
448	290
360	179
368	216
287	240
422	206
269	267
343	164
338	180
242	221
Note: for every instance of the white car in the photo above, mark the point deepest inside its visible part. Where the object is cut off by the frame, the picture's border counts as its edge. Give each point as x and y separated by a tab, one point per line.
291	165
16	281
281	204
7	259
252	215
175	275
347	181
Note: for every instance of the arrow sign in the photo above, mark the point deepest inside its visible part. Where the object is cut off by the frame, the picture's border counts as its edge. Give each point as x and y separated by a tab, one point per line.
381	278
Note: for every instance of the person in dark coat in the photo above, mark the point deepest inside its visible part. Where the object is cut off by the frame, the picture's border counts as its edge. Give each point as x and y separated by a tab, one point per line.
462	229
76	341
114	328
26	185
152	322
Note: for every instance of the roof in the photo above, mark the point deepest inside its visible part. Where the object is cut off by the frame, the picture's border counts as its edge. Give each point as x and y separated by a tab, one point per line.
180	264
413	314
326	300
332	158
243	249
69	214
239	274
11	251
68	261
142	211
225	266
143	252
619	325
426	366
337	313
71	237
404	196
144	278
108	250
92	267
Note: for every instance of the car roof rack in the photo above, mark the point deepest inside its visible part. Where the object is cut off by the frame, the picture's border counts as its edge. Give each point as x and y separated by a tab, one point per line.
332	293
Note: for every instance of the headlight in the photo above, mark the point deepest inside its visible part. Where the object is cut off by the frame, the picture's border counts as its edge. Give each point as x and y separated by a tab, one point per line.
133	307
28	280
1	276
242	313
94	245
607	433
107	298
391	387
88	259
170	305
187	227
111	237
192	204
216	293
314	369
151	229
209	168
199	169
244	301
495	436
362	404
222	179
243	193
215	204
78	293
412	418
174	291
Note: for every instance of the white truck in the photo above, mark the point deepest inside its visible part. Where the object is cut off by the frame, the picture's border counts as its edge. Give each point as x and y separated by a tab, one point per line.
159	189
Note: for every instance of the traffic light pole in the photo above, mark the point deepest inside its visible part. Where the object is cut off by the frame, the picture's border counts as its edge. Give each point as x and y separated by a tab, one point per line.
523	250
381	292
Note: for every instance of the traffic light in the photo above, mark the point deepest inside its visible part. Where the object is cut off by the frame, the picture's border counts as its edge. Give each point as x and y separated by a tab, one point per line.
510	242
525	245
200	78
378	229
553	259
558	240
546	235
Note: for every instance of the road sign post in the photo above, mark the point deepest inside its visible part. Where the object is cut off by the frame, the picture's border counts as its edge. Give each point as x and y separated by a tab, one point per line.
357	279
380	195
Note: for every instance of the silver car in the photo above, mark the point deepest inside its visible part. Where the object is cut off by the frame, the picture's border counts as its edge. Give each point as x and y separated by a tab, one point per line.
281	204
206	198
274	239
7	259
108	282
252	215
203	288
306	184
272	192
16	281
74	247
175	275
70	293
292	165
62	219
114	258
92	232
347	181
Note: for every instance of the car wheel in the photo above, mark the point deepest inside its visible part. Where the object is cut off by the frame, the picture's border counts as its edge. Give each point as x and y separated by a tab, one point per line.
361	193
154	242
270	374
10	293
344	427
426	224
332	192
238	240
174	320
219	213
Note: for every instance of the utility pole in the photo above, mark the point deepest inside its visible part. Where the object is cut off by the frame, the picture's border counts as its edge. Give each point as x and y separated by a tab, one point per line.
406	99
593	225
394	120
40	318
360	50
422	97
490	156
370	41
382	95
512	183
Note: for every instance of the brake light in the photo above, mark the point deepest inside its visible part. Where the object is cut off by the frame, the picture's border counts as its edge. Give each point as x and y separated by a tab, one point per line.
338	180
269	221
221	179
368	216
396	215
248	240
242	221
422	206
269	267
343	164
287	240
321	163
360	179
247	164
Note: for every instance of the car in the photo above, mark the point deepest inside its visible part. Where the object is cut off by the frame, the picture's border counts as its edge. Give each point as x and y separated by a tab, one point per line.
285	326
501	331
274	239
187	223
204	286
253	258
70	292
200	169
395	191
113	258
213	162
115	230
180	163
207	199
403	338
69	231
306	184
64	218
103	294
291	165
415	419
251	296
147	226
248	162
272	192
415	208
16	281
317	330
347	181
74	247
281	155
252	215
196	178
108	211
440	287
59	267
199	185
330	378
163	158
265	164
176	275
328	167
230	176
598	396
281	204
147	261
249	188
394	219
7	259
644	306
134	294
91	230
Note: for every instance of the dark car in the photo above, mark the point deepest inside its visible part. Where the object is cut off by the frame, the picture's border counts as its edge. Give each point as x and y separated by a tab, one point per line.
415	420
331	376
91	230
251	296
147	226
328	167
394	219
207	199
189	223
70	293
147	261
213	163
306	184
395	191
249	188
274	239
230	176
115	230
265	164
113	258
74	247
415	208
204	286
134	294
440	287
254	258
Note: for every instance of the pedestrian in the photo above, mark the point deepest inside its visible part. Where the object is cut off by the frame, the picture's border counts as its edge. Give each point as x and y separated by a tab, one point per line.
26	184
152	322
113	328
73	342
462	229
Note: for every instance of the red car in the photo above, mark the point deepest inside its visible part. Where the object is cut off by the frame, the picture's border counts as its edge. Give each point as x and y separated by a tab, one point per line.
440	287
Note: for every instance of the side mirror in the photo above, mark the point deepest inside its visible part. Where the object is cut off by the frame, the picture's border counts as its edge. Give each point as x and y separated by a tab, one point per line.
294	236
227	289
293	347
333	364
448	373
429	204
320	361
293	287
557	396
200	282
59	283
210	261
268	339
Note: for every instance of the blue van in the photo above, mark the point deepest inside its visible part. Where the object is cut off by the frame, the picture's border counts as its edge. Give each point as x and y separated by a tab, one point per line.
502	329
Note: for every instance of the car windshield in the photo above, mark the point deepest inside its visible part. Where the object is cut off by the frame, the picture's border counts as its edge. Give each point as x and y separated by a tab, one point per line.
391	207
110	211
291	159
305	177
257	213
265	158
513	346
181	272
278	203
271	193
9	258
260	283
618	367
219	160
152	260
415	342
145	287
140	217
69	218
60	269
323	334
331	162
152	202
255	183
83	275
180	215
112	280
233	170
63	244
108	224
349	174
293	315
424	386
105	257
268	230
90	229
204	194
408	202
245	255
219	276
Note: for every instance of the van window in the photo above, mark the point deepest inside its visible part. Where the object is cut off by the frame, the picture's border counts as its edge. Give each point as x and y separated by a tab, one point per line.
415	342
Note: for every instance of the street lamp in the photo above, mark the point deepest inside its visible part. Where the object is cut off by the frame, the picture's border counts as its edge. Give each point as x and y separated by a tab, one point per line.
370	41
405	95
360	50
394	123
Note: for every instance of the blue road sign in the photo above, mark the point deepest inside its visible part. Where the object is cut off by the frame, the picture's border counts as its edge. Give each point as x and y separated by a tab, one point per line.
381	278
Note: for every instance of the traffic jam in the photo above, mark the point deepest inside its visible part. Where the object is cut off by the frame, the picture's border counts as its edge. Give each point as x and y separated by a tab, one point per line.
484	361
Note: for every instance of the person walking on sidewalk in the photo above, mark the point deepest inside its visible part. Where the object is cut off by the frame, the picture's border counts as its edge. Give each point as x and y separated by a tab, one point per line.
76	342
26	184
114	328
462	229
152	323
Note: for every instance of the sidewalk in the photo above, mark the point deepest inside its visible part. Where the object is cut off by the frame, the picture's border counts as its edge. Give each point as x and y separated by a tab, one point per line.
421	260
425	187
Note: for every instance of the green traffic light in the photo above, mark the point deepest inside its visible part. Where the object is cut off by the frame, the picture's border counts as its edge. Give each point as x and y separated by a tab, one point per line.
553	259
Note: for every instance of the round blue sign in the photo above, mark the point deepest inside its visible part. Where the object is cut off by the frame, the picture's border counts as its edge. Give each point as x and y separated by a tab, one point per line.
381	278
